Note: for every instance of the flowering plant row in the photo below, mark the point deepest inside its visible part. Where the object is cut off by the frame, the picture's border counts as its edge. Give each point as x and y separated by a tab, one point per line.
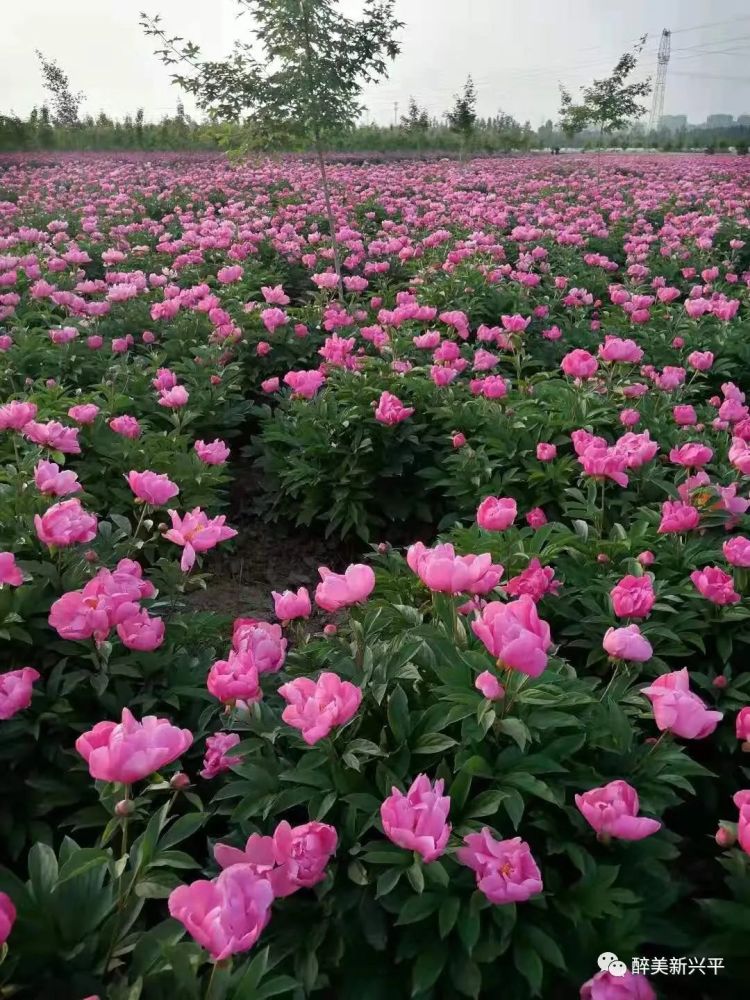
507	738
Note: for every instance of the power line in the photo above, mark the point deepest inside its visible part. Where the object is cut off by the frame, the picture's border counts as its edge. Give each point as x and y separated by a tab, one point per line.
710	24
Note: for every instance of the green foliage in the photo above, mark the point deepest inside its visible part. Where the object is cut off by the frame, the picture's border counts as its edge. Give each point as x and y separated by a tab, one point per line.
315	61
608	104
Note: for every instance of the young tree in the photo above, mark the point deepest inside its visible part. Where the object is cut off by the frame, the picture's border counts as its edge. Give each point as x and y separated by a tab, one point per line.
608	105
65	103
463	115
139	127
416	120
307	85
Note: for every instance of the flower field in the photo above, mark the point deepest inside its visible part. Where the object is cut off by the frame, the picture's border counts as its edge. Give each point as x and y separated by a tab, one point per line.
503	738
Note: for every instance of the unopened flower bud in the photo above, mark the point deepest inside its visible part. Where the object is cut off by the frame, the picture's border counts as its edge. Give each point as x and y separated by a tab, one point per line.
179	781
124	807
725	837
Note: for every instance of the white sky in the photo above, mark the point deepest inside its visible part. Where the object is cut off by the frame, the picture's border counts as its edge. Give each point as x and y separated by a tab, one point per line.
517	51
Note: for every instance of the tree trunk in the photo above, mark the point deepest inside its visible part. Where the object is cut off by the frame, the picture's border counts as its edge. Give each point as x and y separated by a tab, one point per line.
329	214
319	152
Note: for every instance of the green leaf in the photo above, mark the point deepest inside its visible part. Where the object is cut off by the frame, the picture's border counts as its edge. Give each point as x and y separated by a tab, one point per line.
418	908
82	860
183	828
514	805
469	926
516	730
43	871
530	966
387	881
398	715
276	986
245	988
433	743
466	976
447	915
427	969
486	803
544	945
416	876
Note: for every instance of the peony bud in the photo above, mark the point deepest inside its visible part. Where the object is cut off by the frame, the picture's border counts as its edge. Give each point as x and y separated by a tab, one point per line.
725	837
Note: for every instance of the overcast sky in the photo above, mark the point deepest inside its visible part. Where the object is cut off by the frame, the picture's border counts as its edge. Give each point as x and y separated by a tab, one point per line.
516	50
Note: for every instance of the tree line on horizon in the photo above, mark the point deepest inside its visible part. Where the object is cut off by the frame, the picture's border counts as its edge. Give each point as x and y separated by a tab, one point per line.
310	102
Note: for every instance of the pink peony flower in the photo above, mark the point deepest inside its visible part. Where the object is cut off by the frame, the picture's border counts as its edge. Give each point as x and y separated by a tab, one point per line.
263	641
174	398
742	724
458	440
390	410
489	686
7	917
16	691
715	585
692	455
273	318
227	915
10	574
737	551
613	811
65	523
515	635
546	452
214	453
275	295
151	487
340	590
579	364
294	858
627	644
142	632
301	854
701	361
416	820
440	569
49	480
496	513
53	435
15	415
536	581
125	426
677	709
633	597
196	532
304	383
216	758
84	413
128	751
505	869
685	415
742	801
536	518
606	986
677	517
616	350
235	680
317	707
288	605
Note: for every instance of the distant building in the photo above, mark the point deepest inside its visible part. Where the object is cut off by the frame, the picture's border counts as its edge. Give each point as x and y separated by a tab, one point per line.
743	120
673	123
719	121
